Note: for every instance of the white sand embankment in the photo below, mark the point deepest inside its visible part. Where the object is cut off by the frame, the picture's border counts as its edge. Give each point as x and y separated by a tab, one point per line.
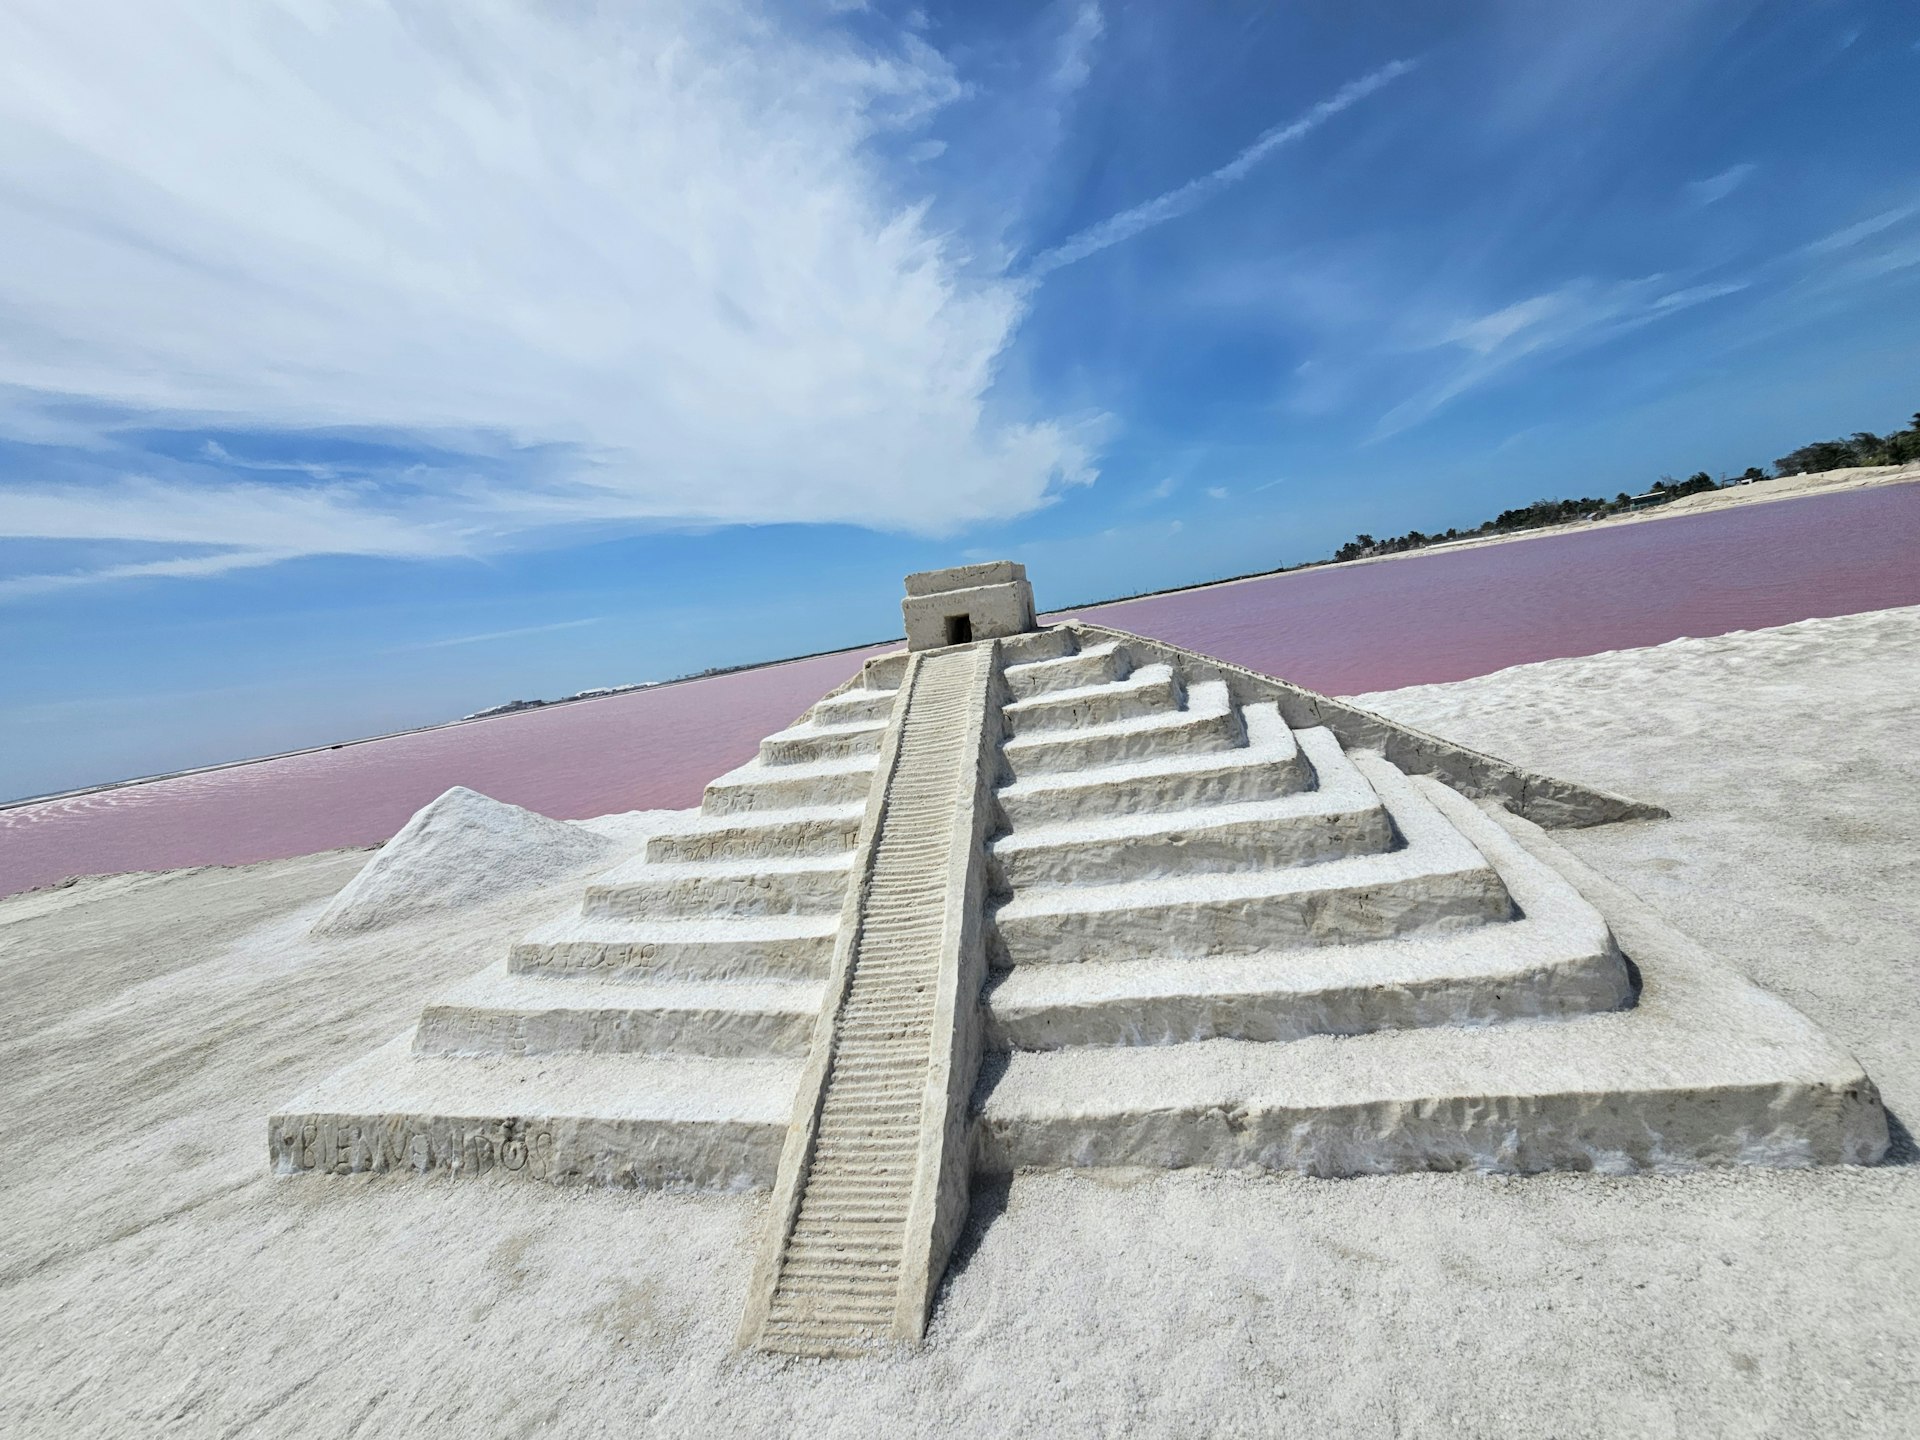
1786	487
1760	492
154	1278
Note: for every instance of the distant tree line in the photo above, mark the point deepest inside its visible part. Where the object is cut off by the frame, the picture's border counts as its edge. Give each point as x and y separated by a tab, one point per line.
1902	447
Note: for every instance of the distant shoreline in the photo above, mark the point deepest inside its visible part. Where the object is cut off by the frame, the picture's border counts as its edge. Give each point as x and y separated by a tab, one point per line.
477	719
1758	492
1794	487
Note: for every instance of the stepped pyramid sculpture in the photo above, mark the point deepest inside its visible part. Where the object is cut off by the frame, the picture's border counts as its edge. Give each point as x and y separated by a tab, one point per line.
1022	897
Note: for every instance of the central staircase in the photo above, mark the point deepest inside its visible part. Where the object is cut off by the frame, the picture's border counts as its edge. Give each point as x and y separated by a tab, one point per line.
842	1266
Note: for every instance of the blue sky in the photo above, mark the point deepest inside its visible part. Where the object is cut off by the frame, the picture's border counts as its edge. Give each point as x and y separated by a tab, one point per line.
362	365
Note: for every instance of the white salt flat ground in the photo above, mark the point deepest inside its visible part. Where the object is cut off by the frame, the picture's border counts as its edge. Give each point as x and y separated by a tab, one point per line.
154	1279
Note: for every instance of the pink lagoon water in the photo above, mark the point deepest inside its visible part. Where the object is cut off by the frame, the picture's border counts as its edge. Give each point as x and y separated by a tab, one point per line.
1422	619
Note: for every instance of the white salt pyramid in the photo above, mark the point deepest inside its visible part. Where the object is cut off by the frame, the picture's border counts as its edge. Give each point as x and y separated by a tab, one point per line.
1166	912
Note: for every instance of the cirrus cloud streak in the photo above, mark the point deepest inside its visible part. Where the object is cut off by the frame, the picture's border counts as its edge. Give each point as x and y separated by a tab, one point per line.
644	267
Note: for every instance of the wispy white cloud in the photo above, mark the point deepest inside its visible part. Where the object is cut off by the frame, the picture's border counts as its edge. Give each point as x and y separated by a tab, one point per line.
496	635
178	567
1583	313
1218	492
1075	63
1716	188
1190	196
216	453
655	247
1576	316
339	519
1852	235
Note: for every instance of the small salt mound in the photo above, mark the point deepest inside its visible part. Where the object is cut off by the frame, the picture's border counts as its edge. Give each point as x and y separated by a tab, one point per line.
462	849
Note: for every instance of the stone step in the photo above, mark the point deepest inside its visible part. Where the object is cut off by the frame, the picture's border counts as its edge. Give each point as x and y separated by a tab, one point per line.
1269	765
894	1027
849	1186
1095	665
498	1012
812	1297
887	1122
808	743
1211	722
872	1256
892	1128
832	1298
869	1102
1036	645
875	1097
884	672
881	1039
853	705
885	1036
905	1023
818	830
894	1067
823	1276
903	1052
868	1259
792	885
841	1214
1151	690
1557	959
898	999
758	786
1341	817
814	1307
879	1174
622	1121
1438	878
876	1235
773	946
893	1035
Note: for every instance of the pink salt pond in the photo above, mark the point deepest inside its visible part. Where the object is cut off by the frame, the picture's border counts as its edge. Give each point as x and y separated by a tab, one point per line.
1439	616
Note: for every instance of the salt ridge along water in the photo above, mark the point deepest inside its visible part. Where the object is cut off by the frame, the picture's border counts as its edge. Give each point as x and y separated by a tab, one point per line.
1422	619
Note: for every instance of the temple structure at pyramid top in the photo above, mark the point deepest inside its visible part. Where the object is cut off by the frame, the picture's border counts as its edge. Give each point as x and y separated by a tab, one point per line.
971	602
1020	897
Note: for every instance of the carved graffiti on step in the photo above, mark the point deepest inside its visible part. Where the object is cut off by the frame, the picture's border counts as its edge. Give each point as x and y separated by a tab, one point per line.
330	1147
